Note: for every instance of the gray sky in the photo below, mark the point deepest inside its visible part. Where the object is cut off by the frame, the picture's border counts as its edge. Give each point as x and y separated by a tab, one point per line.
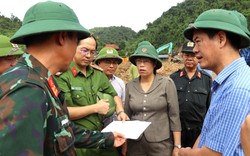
102	13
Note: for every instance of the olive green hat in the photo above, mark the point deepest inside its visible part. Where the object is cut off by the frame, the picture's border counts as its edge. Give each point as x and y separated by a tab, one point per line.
7	48
49	16
219	19
108	52
102	95
243	21
146	49
188	47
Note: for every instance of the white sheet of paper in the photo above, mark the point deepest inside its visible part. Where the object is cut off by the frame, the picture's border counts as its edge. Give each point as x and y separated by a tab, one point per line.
130	129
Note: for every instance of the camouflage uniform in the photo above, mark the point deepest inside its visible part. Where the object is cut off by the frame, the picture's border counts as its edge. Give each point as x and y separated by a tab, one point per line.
32	113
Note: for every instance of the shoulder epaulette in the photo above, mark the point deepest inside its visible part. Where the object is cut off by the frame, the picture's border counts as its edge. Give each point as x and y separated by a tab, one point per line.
96	67
58	73
177	71
205	73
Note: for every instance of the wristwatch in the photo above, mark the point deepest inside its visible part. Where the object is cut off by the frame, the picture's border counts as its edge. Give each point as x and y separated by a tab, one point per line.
177	146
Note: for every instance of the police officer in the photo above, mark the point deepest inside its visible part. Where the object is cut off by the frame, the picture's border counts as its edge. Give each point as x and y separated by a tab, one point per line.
34	118
9	53
81	84
193	87
108	59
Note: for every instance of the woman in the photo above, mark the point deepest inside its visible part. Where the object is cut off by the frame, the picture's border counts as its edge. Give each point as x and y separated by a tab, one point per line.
153	98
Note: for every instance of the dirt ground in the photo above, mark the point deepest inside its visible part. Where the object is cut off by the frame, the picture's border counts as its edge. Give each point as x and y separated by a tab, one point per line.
169	67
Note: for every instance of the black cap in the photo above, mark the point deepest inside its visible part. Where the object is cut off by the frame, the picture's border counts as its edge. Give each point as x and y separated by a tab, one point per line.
188	47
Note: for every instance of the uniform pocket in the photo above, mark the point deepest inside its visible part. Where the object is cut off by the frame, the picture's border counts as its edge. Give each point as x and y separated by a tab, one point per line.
201	95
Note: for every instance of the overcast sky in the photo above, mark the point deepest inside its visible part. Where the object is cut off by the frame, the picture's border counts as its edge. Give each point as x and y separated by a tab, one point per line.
102	13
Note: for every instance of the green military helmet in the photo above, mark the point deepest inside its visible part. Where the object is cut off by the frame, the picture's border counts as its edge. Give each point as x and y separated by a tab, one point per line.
219	19
108	52
49	17
112	104
188	47
146	49
7	48
243	21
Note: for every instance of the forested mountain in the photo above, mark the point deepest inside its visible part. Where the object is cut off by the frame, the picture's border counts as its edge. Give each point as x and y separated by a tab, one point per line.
114	35
8	26
167	28
170	26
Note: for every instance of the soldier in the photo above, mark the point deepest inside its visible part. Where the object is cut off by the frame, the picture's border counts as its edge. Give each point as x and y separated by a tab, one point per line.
34	119
9	54
82	84
193	88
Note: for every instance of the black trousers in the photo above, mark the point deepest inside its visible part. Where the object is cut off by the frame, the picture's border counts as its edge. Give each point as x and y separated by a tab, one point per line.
188	137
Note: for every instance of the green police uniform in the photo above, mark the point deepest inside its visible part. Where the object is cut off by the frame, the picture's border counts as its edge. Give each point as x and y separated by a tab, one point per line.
81	90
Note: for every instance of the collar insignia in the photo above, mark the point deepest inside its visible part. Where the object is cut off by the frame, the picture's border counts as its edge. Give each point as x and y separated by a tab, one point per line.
74	72
53	87
199	74
181	73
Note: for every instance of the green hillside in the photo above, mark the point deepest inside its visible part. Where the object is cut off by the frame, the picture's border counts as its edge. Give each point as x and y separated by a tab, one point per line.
167	28
170	26
114	35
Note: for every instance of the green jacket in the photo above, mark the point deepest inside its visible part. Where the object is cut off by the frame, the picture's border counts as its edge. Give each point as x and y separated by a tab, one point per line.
33	117
81	90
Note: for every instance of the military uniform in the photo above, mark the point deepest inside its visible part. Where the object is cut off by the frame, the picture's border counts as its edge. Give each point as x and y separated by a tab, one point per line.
81	90
31	111
194	98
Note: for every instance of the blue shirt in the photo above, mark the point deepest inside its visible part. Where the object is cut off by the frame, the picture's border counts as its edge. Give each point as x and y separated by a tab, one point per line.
229	107
246	54
119	87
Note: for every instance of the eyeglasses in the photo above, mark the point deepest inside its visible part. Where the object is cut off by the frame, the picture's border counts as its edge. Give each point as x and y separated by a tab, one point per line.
139	61
109	62
85	51
11	58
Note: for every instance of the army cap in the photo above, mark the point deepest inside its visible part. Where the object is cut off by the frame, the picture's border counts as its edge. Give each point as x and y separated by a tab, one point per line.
219	19
188	47
108	52
7	48
49	16
243	21
146	49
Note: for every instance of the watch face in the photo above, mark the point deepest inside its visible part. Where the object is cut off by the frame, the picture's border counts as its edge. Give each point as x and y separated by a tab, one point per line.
177	146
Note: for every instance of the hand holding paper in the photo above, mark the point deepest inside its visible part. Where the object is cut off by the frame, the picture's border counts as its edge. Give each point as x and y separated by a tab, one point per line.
130	129
119	139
